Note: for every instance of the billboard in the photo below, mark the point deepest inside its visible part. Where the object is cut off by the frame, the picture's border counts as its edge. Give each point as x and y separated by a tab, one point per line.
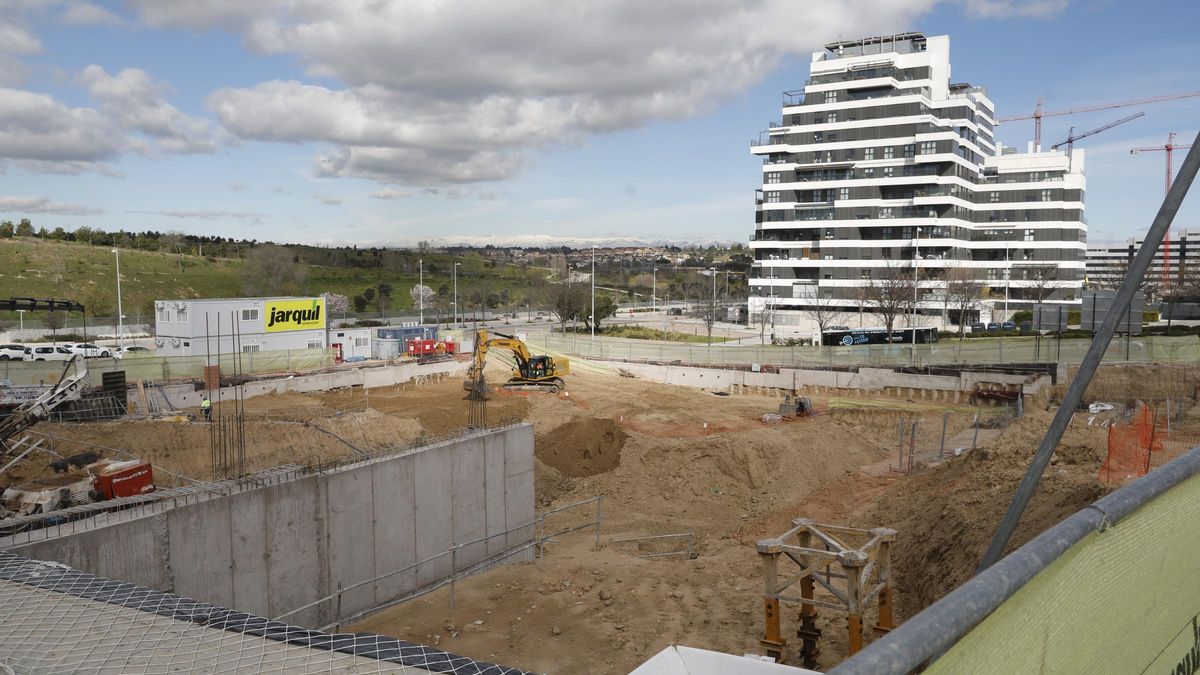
287	315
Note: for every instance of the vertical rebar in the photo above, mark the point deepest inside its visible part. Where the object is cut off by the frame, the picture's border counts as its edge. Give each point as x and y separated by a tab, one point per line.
942	447
975	437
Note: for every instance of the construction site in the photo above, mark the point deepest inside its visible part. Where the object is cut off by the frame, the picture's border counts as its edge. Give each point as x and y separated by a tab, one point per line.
658	503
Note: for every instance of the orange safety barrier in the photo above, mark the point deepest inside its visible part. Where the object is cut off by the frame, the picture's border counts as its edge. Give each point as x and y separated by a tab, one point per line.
1131	446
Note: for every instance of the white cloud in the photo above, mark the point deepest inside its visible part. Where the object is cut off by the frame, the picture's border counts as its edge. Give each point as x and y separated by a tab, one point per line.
13	204
137	102
1010	9
436	93
48	133
238	186
82	13
16	40
390	193
328	200
253	218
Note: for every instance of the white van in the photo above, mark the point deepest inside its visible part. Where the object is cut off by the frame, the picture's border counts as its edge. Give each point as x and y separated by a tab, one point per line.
47	353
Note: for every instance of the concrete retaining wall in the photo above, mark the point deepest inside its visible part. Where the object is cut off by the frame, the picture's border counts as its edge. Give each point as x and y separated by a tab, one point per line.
793	378
180	396
270	550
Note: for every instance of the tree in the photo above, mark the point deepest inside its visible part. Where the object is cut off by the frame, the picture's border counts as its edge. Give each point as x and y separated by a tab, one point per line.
54	321
422	297
272	270
964	293
606	308
383	298
25	228
335	303
891	294
360	304
566	302
1045	280
765	317
7	230
824	314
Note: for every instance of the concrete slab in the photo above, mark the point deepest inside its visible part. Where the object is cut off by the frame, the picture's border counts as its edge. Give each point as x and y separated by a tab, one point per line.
469	510
493	491
434	505
350	519
248	544
293	554
201	554
519	508
395	543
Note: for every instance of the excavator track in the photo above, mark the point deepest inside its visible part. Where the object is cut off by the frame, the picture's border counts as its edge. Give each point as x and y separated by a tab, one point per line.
551	386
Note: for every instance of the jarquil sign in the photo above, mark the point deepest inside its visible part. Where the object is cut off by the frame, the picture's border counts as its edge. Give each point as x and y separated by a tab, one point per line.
285	315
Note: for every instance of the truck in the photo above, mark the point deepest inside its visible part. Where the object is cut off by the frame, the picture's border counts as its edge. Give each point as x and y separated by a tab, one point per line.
99	481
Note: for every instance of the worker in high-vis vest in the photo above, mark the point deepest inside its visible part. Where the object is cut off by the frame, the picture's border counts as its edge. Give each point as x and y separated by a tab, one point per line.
206	407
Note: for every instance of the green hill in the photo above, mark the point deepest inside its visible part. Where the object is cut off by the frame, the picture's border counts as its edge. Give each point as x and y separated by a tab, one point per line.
31	267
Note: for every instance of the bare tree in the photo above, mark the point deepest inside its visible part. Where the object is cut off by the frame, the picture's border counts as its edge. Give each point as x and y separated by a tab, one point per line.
272	270
765	317
55	322
567	302
824	314
891	294
710	308
1046	279
964	292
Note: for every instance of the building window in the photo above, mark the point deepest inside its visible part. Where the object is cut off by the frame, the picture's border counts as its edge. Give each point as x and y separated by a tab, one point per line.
773	177
832	137
928	147
316	344
869	153
1028	235
993	197
831	97
843	193
181	316
885	212
1047	195
850	154
888	152
868	172
164	314
361	341
249	315
772	197
187	344
909	151
887	171
250	349
832	117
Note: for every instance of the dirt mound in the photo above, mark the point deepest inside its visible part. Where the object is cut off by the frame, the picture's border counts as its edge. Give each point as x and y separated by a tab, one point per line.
946	516
584	446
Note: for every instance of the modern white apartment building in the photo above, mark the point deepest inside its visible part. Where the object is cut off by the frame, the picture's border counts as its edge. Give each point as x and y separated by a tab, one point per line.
882	164
1107	263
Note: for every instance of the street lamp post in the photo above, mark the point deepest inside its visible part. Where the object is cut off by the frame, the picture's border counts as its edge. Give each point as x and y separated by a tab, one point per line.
120	313
421	289
21	318
456	292
593	290
654	292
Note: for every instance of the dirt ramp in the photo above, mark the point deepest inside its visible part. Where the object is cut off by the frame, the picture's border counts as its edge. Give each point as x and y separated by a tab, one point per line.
582	446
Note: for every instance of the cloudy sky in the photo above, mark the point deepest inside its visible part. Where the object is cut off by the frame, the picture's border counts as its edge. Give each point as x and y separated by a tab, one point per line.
392	121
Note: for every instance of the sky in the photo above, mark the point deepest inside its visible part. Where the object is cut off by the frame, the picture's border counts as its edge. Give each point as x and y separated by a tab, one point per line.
387	122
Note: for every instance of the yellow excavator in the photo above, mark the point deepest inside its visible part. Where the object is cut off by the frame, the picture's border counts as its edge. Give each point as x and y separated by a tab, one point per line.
532	373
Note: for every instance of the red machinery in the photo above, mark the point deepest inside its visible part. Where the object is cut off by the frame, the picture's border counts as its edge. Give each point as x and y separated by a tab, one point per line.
418	348
117	478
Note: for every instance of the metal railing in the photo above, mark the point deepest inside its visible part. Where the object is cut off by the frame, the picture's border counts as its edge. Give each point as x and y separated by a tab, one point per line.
687	552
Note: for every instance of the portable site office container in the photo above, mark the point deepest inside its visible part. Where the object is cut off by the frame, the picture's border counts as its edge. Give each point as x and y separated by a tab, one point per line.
253	324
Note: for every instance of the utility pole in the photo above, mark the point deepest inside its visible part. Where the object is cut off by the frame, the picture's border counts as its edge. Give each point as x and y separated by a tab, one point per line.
593	322
21	314
421	289
120	314
654	292
456	292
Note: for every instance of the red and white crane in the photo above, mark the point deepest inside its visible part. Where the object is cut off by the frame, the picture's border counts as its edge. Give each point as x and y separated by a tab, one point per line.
1038	113
1169	148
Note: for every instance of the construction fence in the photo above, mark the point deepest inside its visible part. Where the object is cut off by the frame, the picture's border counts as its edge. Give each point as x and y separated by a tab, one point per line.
167	368
1146	440
1145	349
924	440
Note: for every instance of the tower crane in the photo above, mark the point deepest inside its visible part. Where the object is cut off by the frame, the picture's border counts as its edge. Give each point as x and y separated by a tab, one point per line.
1169	148
1069	141
1038	113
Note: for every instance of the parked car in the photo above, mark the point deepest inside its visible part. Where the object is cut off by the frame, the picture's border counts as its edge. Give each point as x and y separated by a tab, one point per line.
1009	325
88	350
674	311
136	349
978	327
1026	326
993	326
47	353
12	352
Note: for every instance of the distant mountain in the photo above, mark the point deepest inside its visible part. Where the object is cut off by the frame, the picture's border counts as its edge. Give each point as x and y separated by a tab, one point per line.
546	241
